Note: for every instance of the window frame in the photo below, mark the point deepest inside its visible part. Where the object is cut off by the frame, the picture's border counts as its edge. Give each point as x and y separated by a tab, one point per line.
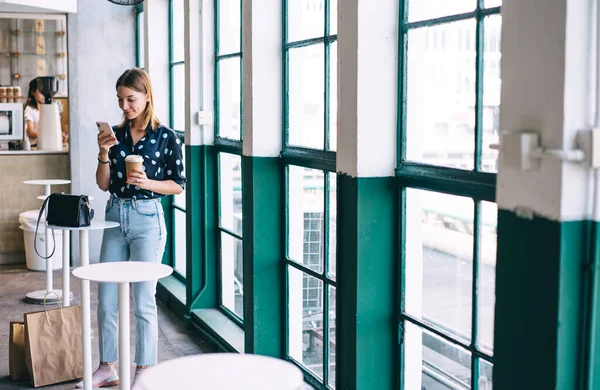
318	159
173	208
475	184
228	146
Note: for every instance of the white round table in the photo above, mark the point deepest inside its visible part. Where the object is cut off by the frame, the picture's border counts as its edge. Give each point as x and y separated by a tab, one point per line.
38	296
84	255
122	272
223	371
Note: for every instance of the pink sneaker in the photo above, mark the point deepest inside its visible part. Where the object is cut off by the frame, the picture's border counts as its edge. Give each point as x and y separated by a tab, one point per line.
105	376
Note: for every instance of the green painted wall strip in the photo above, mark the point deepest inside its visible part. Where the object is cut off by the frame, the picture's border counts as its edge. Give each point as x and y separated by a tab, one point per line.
202	226
264	288
194	190
367	327
166	202
539	276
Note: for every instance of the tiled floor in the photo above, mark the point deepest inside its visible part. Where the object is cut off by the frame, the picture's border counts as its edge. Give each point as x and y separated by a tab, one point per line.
15	282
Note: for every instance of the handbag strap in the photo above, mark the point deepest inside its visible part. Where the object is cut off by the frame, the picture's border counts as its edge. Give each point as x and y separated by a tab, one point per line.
36	232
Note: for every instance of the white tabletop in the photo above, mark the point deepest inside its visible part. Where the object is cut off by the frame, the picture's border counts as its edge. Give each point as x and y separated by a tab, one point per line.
218	371
45	182
123	271
96	225
43	197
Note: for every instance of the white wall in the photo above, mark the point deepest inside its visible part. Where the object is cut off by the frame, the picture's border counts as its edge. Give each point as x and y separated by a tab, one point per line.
101	47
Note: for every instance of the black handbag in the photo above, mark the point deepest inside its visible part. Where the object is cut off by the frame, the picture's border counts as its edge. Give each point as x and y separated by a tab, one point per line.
64	210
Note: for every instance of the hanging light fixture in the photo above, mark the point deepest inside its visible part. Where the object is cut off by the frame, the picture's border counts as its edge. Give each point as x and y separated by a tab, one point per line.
126	2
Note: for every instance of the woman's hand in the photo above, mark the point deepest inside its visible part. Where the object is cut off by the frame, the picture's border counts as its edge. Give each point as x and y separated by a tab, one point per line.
106	142
138	178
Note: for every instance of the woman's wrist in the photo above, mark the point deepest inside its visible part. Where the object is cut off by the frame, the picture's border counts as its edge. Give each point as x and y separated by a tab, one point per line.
103	157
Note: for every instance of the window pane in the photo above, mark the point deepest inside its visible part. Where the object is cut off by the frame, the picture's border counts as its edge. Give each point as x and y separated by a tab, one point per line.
487	275
305	19
306	206
332	224
333	96
333	15
179	200
485	375
229	98
443	365
491	92
441	95
179	97
305	322
439	260
306	96
332	324
430	9
492	3
230	192
230	23
177	31
141	38
232	274
180	242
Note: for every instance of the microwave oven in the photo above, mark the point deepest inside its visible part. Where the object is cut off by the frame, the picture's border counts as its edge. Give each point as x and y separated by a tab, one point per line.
11	121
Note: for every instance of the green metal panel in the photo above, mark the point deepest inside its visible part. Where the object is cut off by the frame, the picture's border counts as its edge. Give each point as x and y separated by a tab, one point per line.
591	350
367	327
264	293
204	215
539	279
194	223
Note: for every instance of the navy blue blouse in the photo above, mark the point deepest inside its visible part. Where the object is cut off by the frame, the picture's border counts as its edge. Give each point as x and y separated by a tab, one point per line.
163	160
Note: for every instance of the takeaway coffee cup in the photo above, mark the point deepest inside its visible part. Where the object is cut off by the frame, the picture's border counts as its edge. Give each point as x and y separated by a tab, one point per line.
133	161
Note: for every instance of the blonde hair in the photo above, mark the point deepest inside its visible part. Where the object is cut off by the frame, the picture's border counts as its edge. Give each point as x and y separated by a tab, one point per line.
138	80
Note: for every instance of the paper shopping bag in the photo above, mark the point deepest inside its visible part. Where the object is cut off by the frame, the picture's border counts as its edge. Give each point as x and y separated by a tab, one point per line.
16	352
53	345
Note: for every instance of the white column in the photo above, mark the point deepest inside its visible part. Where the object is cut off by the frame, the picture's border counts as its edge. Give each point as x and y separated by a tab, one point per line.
550	93
367	87
199	71
261	78
156	45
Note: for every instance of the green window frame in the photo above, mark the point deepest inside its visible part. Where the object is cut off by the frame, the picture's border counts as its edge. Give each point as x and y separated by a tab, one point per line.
318	280
228	147
475	184
176	205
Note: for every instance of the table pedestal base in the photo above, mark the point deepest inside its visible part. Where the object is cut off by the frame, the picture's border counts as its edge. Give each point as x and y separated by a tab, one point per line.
37	297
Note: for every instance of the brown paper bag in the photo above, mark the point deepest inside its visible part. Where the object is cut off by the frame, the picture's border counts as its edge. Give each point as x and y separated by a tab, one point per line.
53	345
16	352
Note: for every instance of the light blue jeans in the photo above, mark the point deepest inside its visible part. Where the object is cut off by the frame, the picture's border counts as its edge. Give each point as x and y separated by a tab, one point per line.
141	236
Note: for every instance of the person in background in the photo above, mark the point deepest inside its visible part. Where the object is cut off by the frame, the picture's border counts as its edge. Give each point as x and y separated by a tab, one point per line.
135	203
32	113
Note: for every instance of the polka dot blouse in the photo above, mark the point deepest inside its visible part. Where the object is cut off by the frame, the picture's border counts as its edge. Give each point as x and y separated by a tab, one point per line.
163	160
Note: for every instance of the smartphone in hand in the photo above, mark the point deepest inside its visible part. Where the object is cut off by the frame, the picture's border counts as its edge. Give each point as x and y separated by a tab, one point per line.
105	129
